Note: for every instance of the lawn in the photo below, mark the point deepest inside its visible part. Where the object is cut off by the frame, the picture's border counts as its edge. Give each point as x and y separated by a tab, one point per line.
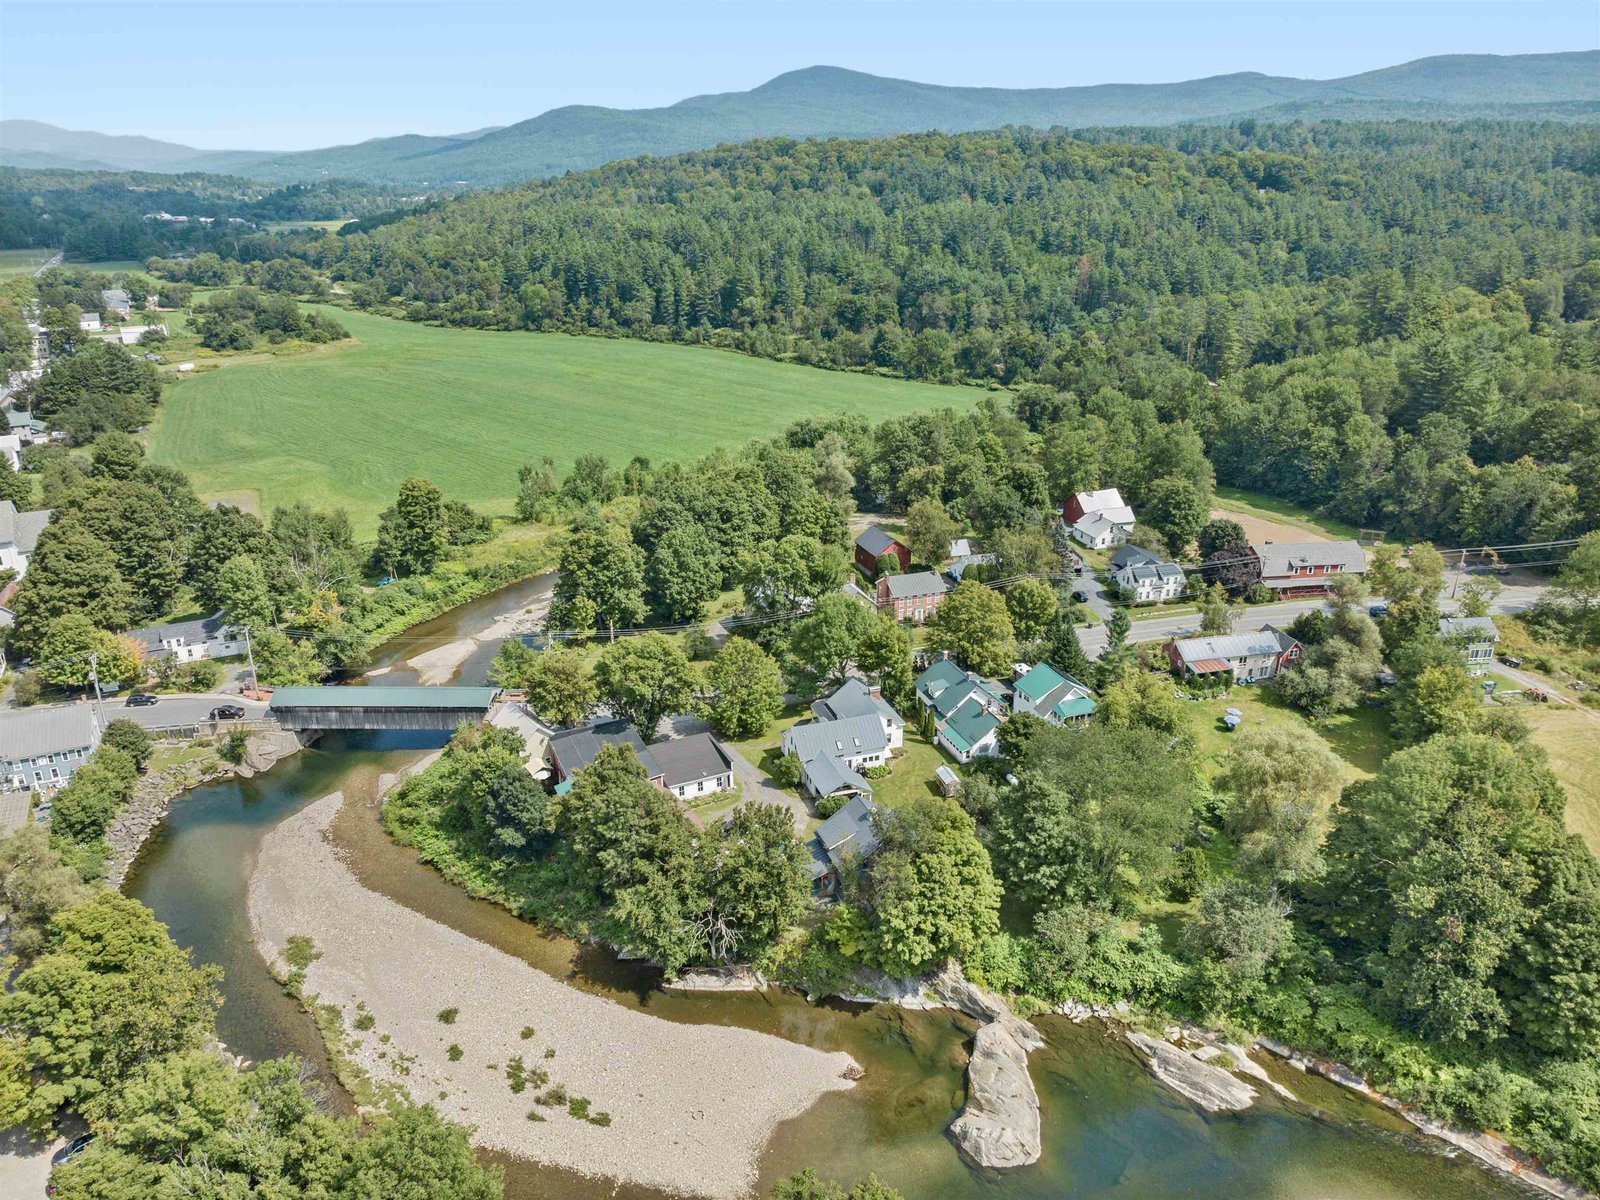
1359	737
1571	738
1266	516
345	424
22	262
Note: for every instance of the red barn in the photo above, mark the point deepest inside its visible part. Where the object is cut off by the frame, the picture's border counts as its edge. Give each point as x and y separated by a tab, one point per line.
873	543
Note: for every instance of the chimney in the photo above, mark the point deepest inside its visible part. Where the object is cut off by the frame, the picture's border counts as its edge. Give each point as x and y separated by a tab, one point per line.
875	691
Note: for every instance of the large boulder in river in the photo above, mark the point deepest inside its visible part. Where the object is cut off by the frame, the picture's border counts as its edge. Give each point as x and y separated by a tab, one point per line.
999	1126
1211	1087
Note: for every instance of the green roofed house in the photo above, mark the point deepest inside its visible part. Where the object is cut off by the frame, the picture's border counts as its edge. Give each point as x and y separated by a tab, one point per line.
967	709
1046	692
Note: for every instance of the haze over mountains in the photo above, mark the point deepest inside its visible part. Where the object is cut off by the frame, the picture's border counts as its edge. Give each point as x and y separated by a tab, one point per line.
833	102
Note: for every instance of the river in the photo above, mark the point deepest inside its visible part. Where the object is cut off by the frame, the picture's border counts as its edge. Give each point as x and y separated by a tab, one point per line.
1109	1129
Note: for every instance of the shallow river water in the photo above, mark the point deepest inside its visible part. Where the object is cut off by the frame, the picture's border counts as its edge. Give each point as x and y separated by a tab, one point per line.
1109	1129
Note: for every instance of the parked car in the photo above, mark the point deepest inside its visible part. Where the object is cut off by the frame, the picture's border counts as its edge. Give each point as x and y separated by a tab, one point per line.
227	712
1377	610
1081	597
66	1154
143	700
1510	660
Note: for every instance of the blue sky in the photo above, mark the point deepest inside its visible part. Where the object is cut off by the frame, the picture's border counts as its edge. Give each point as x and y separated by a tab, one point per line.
221	74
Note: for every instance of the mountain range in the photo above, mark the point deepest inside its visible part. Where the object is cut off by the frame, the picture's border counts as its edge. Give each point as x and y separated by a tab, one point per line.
833	102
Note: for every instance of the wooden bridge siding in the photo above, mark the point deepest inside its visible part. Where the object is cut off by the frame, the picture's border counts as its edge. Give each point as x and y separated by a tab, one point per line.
445	719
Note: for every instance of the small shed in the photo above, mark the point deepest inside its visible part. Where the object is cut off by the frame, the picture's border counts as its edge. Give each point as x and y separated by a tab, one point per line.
949	781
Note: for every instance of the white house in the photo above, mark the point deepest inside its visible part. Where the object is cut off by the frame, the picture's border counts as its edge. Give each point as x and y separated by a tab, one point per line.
19	534
693	766
833	754
857	698
117	301
89	322
967	710
40	748
11	450
1098	531
190	641
1052	696
1151	583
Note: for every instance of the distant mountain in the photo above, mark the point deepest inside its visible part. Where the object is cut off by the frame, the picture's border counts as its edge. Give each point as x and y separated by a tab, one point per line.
832	102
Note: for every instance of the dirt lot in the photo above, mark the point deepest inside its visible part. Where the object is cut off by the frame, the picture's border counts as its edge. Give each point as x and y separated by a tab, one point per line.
1260	529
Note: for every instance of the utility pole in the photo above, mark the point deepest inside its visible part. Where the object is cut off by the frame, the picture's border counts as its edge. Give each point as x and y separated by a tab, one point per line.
250	654
99	703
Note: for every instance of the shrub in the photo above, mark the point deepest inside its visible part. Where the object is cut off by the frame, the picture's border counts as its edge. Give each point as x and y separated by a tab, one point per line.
234	746
552	1097
786	771
202	676
447	1016
527	1032
600	1118
578	1107
26	688
300	952
365	1021
828	805
455	1052
535	1115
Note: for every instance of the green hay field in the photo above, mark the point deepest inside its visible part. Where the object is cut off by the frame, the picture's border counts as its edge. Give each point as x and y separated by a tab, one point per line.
21	262
344	424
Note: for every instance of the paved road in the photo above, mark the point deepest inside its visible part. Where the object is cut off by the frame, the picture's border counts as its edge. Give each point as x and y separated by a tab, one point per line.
187	709
1514	599
53	261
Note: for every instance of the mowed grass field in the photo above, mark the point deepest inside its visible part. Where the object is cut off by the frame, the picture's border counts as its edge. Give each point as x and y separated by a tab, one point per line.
344	424
1571	736
22	262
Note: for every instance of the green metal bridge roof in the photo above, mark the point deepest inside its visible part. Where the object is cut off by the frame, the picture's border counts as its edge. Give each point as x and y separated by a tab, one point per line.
383	697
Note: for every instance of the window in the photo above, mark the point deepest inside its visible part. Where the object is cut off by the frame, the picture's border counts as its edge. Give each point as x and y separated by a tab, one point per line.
54	773
701	786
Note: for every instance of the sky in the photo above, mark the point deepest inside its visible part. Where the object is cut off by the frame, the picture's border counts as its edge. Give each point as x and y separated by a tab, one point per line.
220	74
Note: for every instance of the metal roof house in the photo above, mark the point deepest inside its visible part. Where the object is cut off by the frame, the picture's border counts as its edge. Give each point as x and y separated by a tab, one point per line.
1151	583
857	698
116	300
1248	657
1477	637
40	748
688	767
967	709
19	535
188	641
1057	698
873	542
832	754
914	597
842	843
1304	568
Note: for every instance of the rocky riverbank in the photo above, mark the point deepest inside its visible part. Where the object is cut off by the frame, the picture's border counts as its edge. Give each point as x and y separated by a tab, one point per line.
153	795
576	1080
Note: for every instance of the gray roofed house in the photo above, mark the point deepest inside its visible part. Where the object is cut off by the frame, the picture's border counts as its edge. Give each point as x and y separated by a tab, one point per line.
40	748
187	641
116	300
850	737
846	839
875	540
1130	555
572	750
1477	636
696	765
1151	582
832	754
1304	568
1248	657
19	535
857	698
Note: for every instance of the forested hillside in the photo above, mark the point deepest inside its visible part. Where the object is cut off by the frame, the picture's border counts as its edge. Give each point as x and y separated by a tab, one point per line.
1396	322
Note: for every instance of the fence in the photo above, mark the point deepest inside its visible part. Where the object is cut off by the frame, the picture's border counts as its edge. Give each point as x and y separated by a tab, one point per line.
199	729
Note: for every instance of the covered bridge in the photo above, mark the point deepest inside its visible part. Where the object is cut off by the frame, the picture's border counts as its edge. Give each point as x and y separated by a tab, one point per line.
380	707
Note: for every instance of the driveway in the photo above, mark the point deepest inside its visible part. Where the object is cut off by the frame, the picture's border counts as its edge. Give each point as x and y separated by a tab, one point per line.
25	1164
